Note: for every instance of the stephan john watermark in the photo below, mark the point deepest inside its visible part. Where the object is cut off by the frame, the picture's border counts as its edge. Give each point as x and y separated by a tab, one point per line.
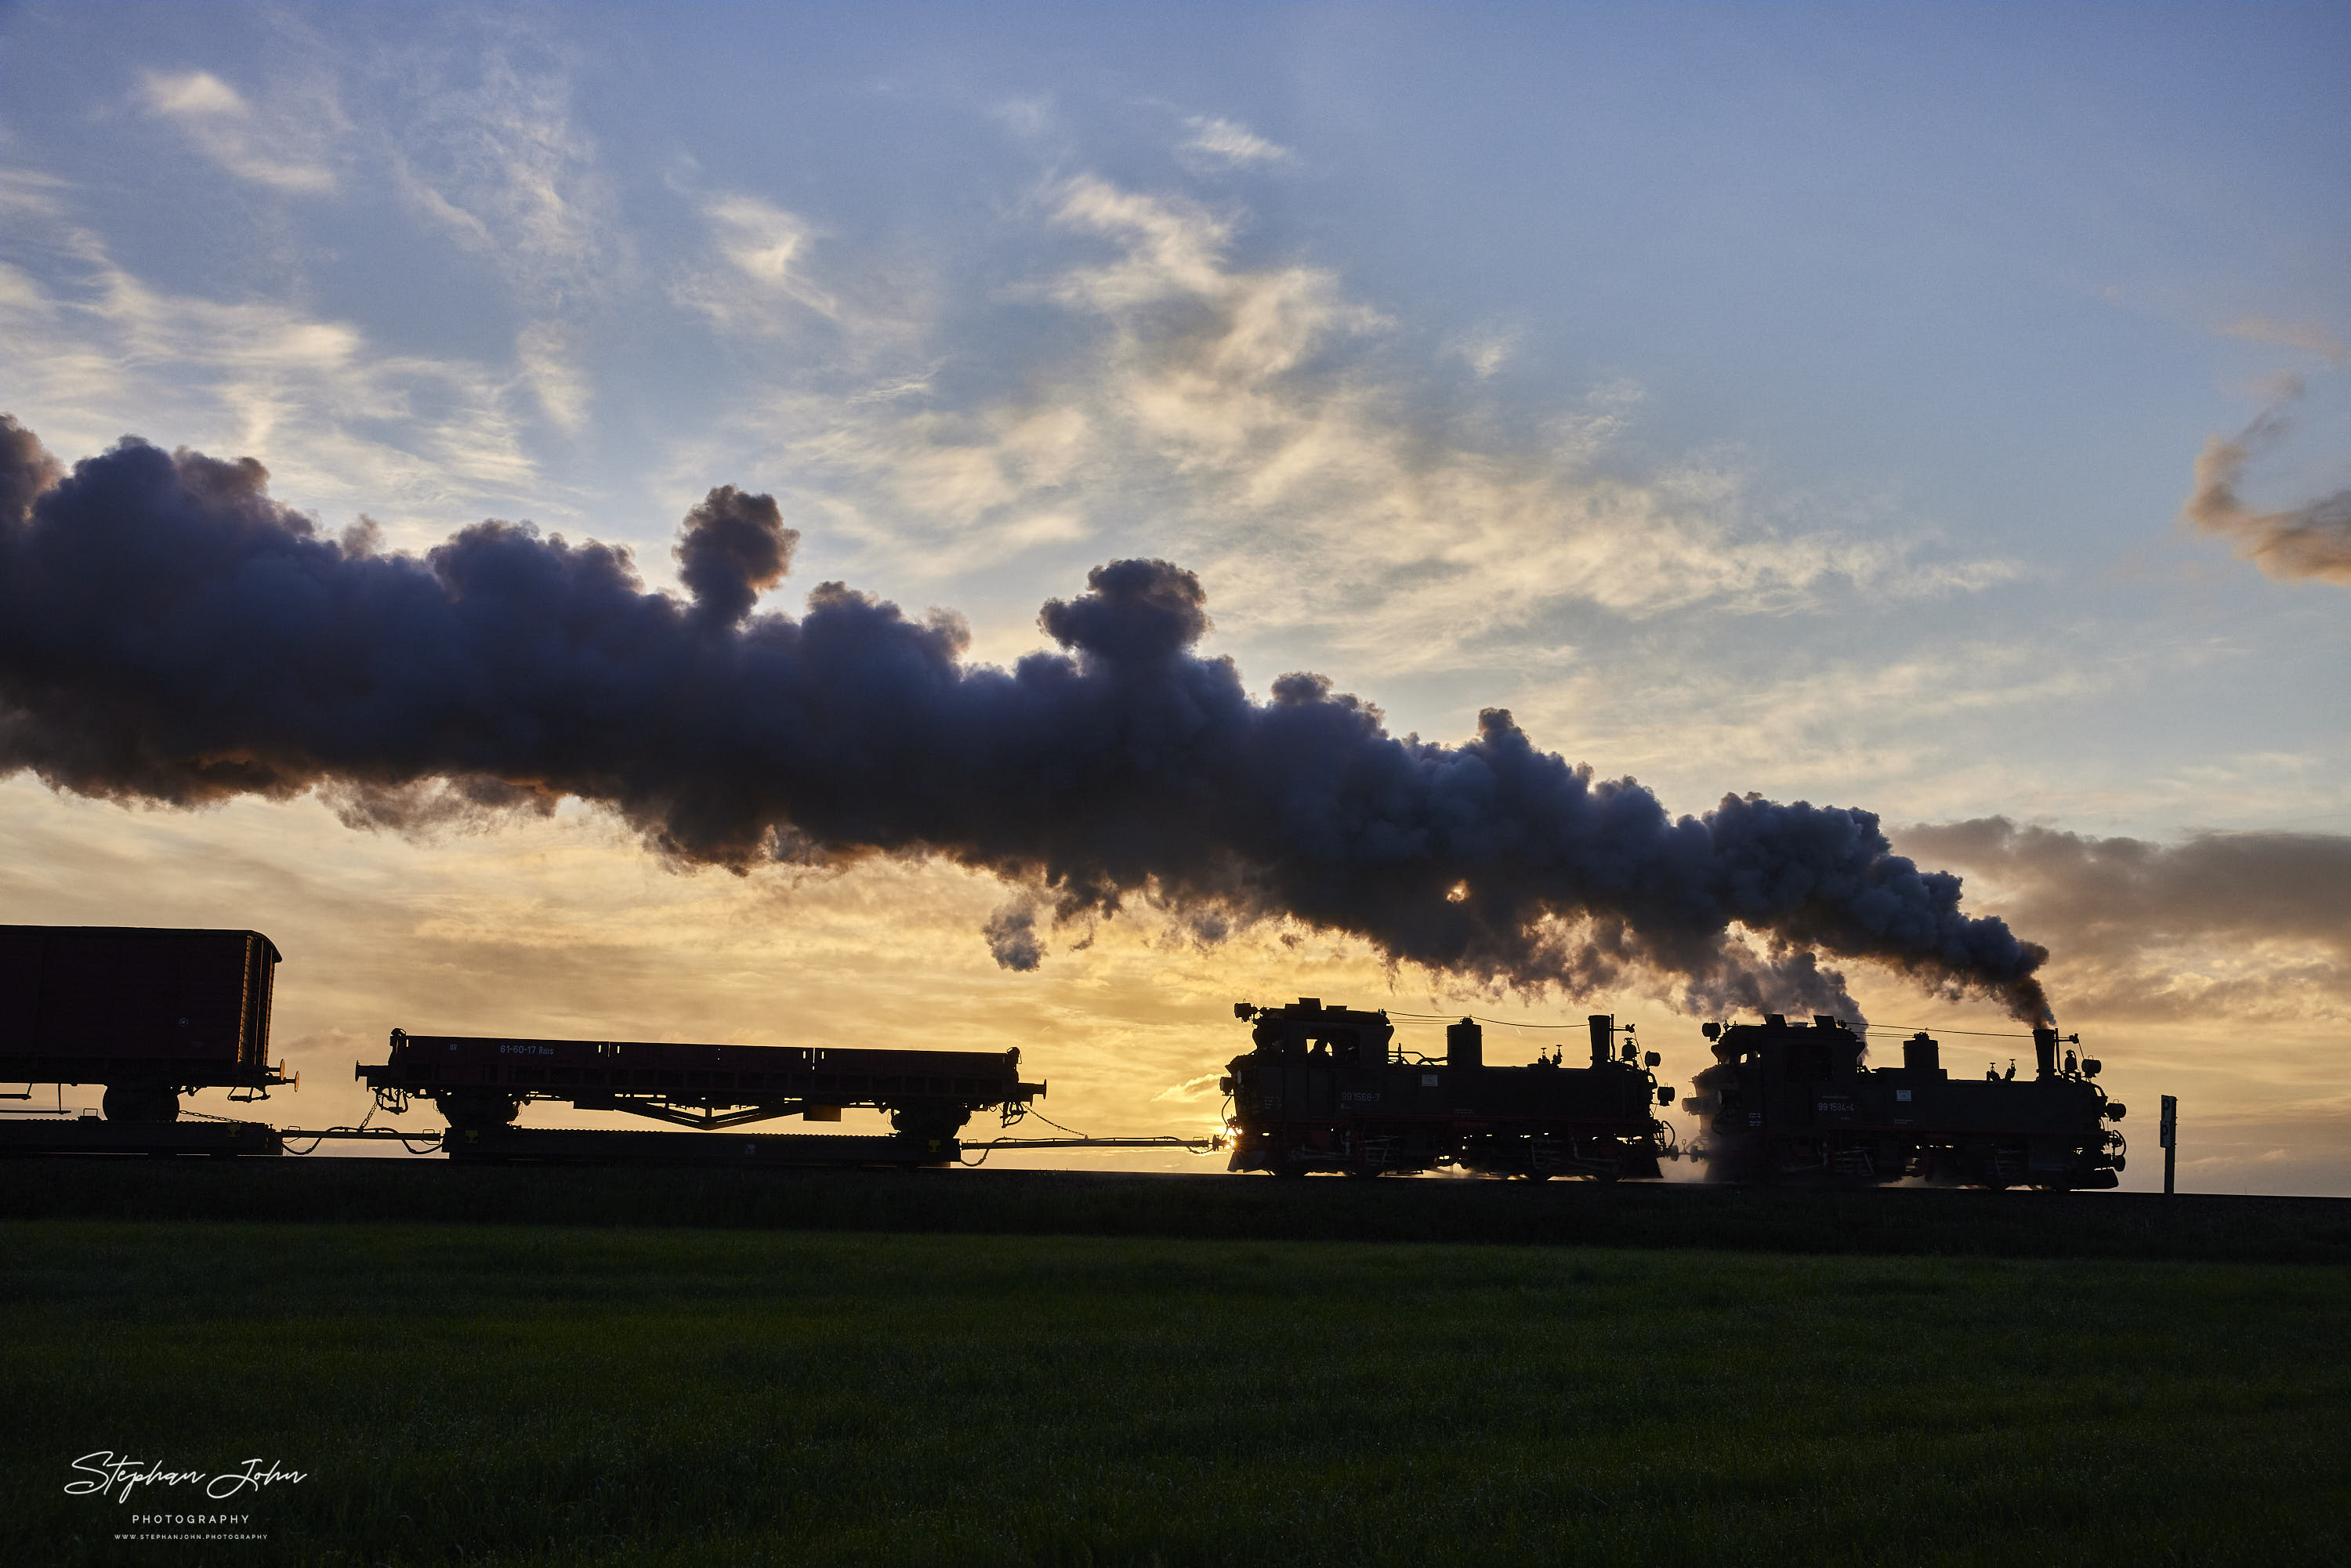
117	1476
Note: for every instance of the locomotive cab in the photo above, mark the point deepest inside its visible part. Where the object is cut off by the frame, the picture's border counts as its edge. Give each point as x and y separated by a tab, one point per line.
1337	1036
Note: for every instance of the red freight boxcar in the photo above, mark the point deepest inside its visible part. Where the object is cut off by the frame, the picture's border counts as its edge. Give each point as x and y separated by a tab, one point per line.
149	1013
482	1082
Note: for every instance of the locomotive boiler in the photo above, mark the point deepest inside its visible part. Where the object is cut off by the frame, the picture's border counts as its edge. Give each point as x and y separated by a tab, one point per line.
1789	1101
1327	1088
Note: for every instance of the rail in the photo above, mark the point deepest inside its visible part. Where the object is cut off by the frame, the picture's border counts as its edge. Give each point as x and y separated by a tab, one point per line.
1207	1145
416	1143
428	1141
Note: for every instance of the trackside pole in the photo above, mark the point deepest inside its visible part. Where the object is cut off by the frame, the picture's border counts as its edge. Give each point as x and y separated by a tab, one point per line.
2169	1137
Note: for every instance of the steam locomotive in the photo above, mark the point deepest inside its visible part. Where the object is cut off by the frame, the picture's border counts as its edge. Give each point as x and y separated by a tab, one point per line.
1787	1100
1326	1089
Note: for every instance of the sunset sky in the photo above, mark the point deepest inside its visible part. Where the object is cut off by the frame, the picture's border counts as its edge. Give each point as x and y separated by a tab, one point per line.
1938	411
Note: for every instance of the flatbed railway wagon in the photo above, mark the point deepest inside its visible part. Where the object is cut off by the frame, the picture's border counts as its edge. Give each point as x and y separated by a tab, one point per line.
1326	1089
480	1083
1790	1101
149	1013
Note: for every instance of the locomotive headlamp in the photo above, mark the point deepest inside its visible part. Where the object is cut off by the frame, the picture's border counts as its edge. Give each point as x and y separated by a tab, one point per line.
1653	1059
2090	1065
2115	1110
1242	1009
1711	1030
1665	1095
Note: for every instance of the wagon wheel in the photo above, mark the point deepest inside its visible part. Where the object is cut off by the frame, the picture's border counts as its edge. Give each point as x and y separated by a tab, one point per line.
472	1110
141	1103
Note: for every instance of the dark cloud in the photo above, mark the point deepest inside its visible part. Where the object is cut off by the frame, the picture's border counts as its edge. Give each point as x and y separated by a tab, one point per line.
734	547
2232	924
2305	542
1011	934
25	470
170	634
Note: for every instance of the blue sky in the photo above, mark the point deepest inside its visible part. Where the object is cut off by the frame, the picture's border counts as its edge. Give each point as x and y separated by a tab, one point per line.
1795	399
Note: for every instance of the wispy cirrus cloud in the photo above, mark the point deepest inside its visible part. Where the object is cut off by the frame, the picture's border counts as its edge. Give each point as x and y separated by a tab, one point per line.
1227	141
97	352
489	150
1257	421
488	146
2309	337
761	279
288	149
2310	541
547	353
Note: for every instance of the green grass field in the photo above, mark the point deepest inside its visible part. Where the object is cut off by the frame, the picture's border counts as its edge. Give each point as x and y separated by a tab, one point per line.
570	1394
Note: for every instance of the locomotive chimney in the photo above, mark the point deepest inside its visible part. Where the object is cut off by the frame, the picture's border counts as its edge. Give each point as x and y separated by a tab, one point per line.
1922	1055
2044	1053
1604	1037
1464	1044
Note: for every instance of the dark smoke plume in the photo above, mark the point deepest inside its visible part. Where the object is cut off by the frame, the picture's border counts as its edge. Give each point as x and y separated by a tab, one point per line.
2307	541
170	634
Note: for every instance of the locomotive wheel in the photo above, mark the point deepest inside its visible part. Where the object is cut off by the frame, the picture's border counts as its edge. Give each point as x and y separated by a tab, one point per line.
1536	1176
1288	1172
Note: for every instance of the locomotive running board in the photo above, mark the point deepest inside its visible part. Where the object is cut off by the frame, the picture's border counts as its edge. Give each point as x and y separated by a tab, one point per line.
92	1136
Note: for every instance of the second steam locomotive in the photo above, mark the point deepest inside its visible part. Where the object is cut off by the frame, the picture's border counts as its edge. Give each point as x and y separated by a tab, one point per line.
1326	1089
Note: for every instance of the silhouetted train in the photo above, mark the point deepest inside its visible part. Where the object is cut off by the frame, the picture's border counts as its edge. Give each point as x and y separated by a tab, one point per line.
1326	1089
1787	1101
151	1014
